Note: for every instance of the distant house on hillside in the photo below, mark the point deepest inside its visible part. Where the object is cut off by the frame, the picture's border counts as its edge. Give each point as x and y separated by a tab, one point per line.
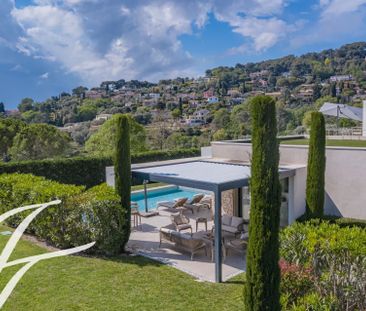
201	114
340	78
103	116
154	95
275	95
208	94
262	83
259	74
95	93
306	91
234	92
212	100
12	112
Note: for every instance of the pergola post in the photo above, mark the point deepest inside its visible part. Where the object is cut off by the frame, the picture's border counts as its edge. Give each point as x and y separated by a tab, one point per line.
218	247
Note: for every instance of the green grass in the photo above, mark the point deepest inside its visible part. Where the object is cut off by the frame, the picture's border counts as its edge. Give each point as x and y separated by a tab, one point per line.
153	185
330	142
132	283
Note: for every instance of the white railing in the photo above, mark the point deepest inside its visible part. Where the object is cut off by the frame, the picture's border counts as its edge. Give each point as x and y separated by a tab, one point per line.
344	131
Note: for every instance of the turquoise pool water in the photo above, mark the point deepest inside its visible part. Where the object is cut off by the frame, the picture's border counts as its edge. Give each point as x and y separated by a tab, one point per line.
155	196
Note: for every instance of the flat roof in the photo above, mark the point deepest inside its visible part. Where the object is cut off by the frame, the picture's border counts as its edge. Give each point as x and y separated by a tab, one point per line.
205	175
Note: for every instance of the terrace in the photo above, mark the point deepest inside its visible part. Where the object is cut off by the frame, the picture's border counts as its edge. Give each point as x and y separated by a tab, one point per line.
225	182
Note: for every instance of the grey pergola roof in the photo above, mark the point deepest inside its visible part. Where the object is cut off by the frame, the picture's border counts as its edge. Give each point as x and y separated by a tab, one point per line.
205	175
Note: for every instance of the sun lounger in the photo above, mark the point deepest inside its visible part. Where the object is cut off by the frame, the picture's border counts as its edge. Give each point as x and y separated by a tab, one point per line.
191	205
204	202
175	205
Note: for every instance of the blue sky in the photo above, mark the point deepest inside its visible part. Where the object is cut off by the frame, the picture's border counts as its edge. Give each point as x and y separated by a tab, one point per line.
50	46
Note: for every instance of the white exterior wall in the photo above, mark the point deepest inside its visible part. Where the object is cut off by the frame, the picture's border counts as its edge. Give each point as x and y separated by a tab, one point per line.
345	176
364	119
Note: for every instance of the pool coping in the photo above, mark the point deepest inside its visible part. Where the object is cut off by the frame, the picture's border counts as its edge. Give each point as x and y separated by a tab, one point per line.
154	189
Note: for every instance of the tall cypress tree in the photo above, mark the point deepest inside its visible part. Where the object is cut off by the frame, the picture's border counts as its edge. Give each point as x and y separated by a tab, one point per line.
316	167
122	168
262	274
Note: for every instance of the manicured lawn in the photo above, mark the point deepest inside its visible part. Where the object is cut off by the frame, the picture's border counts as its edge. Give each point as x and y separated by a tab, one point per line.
153	185
133	283
330	142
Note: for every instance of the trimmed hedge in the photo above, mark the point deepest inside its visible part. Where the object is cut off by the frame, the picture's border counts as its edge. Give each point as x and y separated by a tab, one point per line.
88	171
82	217
25	189
340	221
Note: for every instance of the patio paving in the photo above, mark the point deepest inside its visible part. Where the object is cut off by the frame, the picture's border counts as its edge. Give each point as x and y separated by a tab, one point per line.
144	240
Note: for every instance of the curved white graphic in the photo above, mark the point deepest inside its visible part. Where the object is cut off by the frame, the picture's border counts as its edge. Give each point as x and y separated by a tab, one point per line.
31	260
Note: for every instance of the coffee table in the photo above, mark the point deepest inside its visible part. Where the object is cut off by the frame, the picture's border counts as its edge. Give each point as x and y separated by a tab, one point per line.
209	239
201	220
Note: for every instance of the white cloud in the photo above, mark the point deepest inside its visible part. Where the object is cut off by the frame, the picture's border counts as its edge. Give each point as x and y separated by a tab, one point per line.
44	76
264	32
334	8
137	39
339	20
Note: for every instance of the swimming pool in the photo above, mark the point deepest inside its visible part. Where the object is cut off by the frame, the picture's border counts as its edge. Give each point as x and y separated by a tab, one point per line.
161	194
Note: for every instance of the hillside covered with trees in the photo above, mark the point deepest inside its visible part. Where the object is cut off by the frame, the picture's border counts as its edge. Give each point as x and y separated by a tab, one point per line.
187	112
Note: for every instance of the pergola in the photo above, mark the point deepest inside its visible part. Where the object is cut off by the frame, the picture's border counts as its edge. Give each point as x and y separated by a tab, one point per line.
204	175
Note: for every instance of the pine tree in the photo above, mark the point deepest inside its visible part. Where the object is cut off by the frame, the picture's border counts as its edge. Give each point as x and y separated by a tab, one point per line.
122	167
261	291
316	167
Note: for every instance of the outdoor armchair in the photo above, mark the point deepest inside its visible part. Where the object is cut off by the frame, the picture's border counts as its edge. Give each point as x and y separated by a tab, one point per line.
181	222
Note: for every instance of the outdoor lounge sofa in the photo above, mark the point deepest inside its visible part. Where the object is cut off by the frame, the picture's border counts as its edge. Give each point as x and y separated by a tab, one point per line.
233	224
183	241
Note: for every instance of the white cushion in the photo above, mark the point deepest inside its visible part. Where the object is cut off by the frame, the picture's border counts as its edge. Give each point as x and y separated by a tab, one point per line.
236	221
226	220
228	229
206	199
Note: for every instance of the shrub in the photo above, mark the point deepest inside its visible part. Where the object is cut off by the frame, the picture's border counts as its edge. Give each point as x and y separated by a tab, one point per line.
24	189
316	167
88	171
335	255
122	168
82	217
315	302
296	281
95	215
263	275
